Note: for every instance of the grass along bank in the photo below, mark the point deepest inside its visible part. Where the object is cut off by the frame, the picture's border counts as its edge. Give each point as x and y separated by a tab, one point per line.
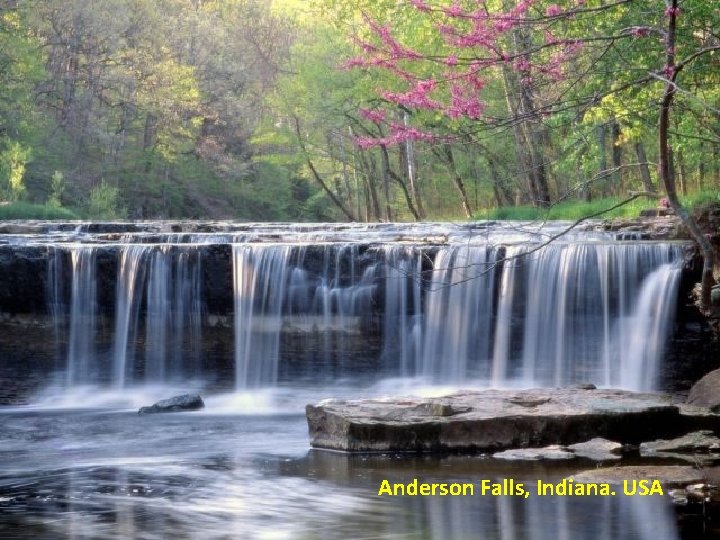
24	210
573	210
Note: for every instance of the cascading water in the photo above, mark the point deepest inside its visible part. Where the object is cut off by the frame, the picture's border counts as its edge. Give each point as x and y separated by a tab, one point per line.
260	282
492	309
83	316
640	350
130	274
458	320
173	321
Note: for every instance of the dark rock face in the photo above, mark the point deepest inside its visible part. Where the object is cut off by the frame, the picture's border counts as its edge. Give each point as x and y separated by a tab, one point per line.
185	402
706	392
491	420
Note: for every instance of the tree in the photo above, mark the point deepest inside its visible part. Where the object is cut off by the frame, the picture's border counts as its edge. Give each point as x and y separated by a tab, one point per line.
543	52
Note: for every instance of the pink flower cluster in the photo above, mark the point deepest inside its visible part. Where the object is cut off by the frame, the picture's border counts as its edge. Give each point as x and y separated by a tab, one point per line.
399	133
420	5
417	97
376	116
553	10
464	102
454	10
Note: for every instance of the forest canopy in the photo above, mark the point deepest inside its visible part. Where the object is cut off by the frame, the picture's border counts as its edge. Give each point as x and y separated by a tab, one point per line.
363	110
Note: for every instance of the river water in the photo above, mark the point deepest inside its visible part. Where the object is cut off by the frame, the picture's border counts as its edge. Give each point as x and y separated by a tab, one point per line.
110	473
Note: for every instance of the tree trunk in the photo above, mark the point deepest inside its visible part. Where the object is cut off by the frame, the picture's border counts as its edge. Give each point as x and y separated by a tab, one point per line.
617	176
644	168
391	174
666	173
457	179
530	125
601	132
317	176
683	173
523	158
412	173
372	196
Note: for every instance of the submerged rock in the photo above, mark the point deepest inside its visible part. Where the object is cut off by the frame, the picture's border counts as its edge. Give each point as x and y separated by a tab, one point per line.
532	454
699	446
597	449
184	402
669	476
491	420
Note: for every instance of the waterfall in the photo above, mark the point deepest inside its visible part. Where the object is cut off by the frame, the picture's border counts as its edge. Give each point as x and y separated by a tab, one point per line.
640	350
260	281
458	318
156	318
403	307
494	311
173	321
83	316
129	286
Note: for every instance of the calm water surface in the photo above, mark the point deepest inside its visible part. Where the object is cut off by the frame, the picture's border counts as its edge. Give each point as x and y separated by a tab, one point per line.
105	472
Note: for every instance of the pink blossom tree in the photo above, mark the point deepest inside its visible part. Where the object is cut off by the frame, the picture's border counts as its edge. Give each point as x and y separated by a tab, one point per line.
549	56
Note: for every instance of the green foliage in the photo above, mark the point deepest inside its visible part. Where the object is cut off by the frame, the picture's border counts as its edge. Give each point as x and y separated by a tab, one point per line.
57	187
188	109
13	161
702	198
24	210
570	210
104	203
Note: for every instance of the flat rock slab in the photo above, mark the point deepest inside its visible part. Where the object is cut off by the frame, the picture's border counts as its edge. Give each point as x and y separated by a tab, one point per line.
669	476
491	420
699	441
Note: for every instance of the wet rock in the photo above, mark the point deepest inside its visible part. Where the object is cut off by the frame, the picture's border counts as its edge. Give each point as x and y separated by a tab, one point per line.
706	392
184	402
669	476
491	420
585	386
698	446
597	449
553	452
650	227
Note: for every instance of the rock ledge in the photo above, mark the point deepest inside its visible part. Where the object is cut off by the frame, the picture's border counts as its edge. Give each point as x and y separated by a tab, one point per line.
491	420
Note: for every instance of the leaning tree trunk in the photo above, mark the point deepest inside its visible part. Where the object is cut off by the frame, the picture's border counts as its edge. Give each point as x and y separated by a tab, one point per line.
457	179
666	173
334	198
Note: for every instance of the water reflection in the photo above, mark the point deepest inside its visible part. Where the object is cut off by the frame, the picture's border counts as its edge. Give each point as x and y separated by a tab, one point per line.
116	475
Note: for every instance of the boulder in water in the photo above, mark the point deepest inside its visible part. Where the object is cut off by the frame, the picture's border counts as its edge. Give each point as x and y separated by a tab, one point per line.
553	452
597	449
184	402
